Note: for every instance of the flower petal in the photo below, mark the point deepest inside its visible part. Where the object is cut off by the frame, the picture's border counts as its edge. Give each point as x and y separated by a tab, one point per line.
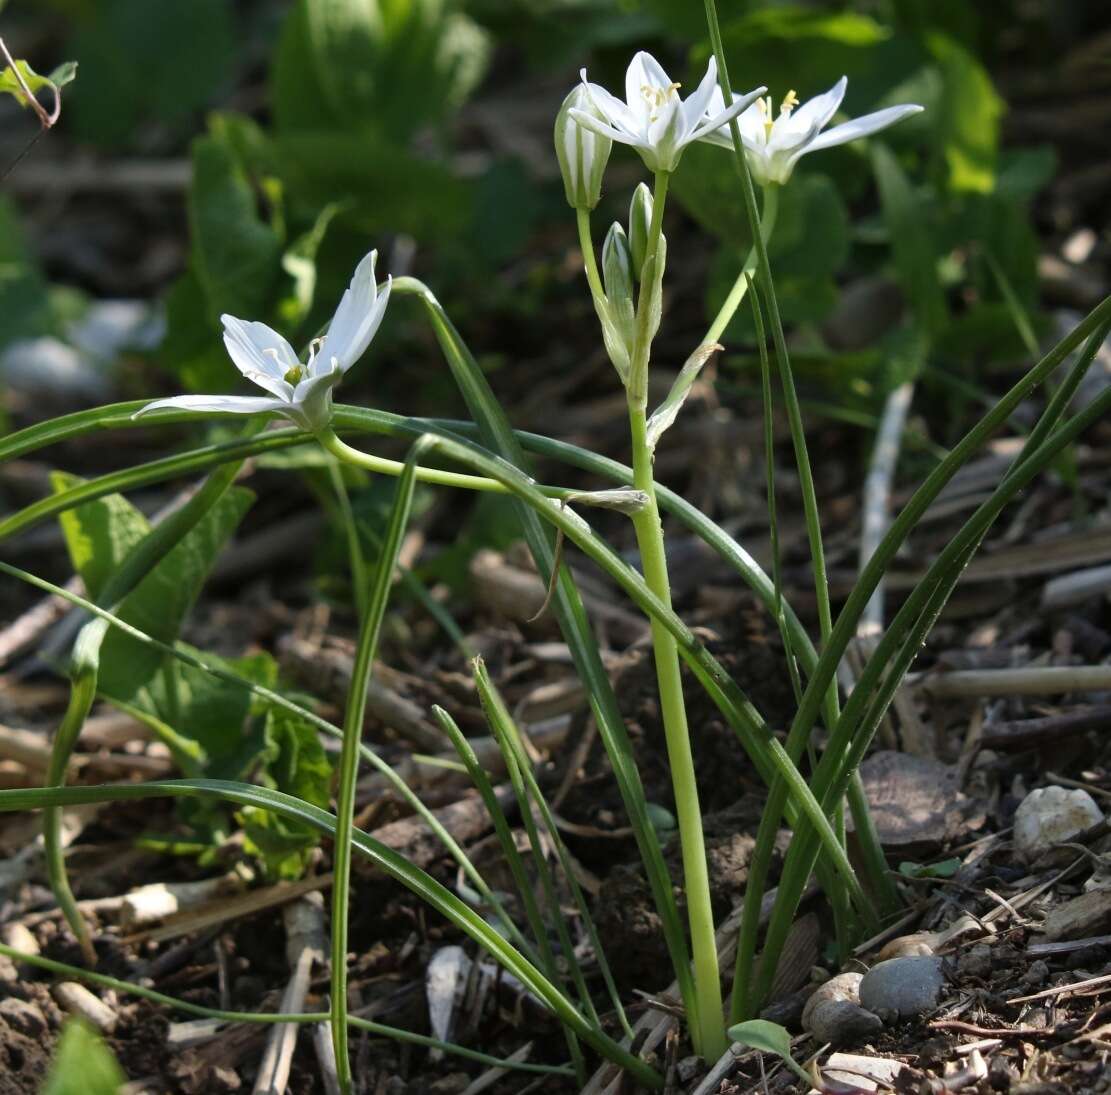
220	404
260	354
862	126
742	104
588	121
613	109
821	108
696	104
355	321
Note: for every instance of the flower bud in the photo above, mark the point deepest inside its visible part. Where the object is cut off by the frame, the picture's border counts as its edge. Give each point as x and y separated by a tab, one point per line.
640	220
617	266
582	154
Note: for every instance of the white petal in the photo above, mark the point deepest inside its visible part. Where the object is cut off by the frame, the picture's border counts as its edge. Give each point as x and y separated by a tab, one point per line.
273	353
665	134
650	71
260	354
613	109
355	321
861	127
822	107
221	404
742	105
588	121
368	328
697	103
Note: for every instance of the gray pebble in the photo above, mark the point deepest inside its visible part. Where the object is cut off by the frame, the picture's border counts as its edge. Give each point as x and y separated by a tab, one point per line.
903	987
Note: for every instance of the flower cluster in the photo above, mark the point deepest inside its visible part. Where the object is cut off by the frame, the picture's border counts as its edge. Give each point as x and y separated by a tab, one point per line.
654	119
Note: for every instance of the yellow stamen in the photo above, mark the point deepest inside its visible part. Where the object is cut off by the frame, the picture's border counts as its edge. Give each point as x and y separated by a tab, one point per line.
657	97
789	103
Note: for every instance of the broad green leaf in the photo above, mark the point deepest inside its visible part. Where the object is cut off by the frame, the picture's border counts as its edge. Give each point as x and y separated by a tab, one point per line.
769	1038
146	63
236	254
387	65
970	116
295	762
908	228
83	1064
98	537
389	188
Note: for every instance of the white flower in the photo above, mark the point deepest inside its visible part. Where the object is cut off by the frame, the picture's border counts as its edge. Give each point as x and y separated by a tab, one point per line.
774	145
654	119
302	393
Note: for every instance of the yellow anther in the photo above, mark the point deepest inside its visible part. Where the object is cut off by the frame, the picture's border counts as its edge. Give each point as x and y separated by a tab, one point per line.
790	101
657	97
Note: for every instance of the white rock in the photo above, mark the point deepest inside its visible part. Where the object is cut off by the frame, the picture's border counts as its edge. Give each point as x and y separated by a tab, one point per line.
1050	816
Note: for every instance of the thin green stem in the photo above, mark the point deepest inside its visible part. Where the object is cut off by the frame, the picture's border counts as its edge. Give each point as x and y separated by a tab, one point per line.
744	279
373	613
710	1039
709	1033
590	259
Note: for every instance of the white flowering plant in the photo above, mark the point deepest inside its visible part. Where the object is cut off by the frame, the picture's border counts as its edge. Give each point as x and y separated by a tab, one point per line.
626	277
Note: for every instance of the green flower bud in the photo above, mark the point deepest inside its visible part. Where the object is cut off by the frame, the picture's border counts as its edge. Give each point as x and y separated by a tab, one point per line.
640	220
617	266
582	154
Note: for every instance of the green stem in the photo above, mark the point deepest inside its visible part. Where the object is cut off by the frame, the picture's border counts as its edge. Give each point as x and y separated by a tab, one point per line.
590	259
710	1039
709	1030
373	614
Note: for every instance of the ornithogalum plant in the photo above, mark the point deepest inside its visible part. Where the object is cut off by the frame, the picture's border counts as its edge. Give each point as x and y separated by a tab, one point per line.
627	288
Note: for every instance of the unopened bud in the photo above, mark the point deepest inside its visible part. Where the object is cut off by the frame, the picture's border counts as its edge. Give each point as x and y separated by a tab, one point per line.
640	221
583	154
617	266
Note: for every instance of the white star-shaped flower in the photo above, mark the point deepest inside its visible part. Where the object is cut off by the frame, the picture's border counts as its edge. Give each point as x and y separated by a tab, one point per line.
773	145
301	392
653	119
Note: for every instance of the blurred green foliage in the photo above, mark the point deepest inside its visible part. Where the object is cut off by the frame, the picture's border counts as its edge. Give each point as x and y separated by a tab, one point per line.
357	140
83	1064
213	728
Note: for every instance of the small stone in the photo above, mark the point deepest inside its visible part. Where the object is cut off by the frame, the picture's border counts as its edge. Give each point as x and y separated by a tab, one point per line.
690	1067
1049	816
23	1017
901	988
833	1013
1037	973
976	961
840	1022
910	945
77	1000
